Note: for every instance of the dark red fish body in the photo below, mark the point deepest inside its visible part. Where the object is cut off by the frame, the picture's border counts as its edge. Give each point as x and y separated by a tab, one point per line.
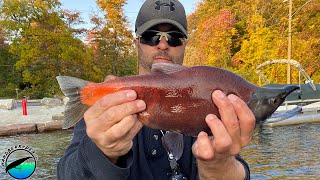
178	98
180	101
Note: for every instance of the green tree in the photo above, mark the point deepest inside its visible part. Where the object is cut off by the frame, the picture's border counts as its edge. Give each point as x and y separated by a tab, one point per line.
111	42
44	43
9	78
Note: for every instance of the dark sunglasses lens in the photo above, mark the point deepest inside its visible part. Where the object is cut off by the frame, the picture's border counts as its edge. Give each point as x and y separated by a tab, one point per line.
175	39
150	38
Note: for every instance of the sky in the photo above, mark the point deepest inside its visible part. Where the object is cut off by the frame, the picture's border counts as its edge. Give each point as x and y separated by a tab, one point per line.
89	7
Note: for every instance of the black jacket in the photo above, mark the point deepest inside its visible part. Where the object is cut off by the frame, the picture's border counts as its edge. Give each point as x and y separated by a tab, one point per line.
147	160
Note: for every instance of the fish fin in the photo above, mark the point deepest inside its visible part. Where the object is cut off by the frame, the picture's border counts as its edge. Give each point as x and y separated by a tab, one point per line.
166	68
74	109
282	115
173	143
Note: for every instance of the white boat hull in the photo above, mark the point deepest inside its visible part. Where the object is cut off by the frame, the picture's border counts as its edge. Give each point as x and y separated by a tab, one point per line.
309	114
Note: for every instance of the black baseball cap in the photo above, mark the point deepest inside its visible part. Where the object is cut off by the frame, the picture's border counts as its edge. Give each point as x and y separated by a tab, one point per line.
154	12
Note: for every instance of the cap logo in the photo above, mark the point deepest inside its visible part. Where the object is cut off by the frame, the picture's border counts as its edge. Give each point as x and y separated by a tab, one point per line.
159	4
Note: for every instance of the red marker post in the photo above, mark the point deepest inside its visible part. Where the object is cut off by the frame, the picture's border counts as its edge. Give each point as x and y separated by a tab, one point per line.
24	107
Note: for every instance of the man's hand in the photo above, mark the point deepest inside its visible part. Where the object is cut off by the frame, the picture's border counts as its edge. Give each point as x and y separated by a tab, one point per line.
234	131
112	122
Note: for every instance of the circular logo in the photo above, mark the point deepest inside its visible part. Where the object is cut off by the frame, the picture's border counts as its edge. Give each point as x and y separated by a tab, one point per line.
19	162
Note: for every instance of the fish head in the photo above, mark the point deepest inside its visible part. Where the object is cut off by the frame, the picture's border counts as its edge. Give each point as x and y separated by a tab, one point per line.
266	101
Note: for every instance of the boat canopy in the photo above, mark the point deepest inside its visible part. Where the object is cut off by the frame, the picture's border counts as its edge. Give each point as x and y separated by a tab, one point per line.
285	61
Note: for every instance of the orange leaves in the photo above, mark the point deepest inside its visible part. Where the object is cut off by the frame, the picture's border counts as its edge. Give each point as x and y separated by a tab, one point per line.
114	15
211	39
240	35
222	21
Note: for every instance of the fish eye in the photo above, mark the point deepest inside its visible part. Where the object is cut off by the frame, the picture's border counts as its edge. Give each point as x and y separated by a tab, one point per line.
273	100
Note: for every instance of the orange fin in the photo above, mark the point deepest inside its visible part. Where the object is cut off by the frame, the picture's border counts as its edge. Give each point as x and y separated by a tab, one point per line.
92	92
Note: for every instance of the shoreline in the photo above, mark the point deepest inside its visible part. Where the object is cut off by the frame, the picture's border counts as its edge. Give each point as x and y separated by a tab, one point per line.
39	119
29	128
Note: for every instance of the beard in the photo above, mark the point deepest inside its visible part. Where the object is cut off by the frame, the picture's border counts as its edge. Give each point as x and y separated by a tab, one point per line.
146	60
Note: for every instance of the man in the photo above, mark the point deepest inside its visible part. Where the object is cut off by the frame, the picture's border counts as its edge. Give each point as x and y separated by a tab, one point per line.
111	143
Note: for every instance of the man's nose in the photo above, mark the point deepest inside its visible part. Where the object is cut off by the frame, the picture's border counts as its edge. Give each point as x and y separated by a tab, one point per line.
163	44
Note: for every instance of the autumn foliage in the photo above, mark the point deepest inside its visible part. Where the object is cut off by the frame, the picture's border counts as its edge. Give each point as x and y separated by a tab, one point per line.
39	40
240	35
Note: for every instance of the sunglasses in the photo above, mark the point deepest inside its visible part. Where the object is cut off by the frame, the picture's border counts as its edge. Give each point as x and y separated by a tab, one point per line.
153	37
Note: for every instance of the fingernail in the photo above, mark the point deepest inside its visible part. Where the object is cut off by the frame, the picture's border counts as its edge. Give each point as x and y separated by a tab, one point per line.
232	97
201	133
131	94
195	148
141	104
211	117
219	94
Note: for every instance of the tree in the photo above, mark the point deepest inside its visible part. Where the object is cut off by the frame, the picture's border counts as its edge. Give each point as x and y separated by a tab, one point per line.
240	35
212	30
111	42
8	76
43	42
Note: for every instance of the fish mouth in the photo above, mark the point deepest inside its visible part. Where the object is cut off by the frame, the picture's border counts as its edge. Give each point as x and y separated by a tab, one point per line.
289	89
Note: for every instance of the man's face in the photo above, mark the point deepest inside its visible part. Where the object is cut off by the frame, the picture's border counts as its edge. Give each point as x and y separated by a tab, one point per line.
162	52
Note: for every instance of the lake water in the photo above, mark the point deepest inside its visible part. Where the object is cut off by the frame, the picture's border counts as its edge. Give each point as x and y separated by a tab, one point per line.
48	147
289	152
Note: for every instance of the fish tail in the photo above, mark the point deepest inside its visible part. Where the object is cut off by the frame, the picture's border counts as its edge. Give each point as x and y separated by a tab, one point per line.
74	109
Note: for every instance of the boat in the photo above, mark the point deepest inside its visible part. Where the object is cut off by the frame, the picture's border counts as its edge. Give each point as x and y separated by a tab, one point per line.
301	106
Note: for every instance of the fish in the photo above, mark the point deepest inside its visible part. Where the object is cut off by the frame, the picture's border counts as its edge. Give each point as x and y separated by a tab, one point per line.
16	163
178	98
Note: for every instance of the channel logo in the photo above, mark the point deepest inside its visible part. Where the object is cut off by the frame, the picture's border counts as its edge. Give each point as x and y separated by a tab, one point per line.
19	161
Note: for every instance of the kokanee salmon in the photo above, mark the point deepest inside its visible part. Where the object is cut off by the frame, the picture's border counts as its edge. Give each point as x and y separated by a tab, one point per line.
178	98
